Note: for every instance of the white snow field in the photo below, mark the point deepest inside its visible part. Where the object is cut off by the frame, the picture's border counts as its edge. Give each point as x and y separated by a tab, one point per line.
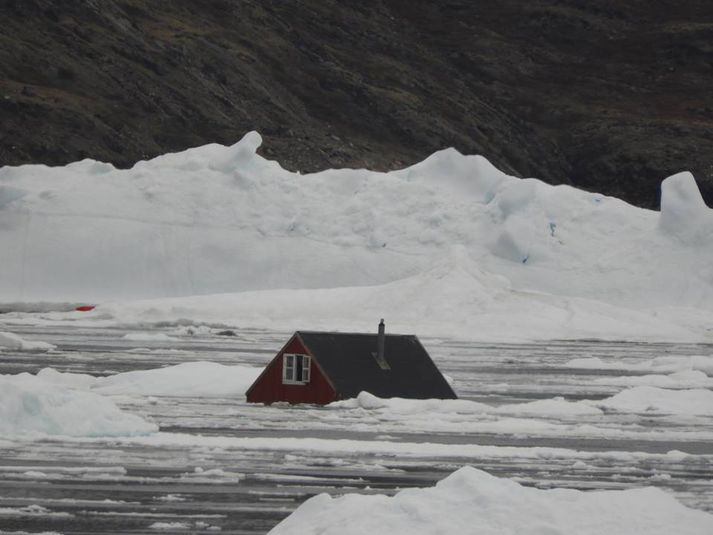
449	246
473	501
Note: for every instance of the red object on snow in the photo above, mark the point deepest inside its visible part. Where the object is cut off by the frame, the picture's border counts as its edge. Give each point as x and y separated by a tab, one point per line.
85	308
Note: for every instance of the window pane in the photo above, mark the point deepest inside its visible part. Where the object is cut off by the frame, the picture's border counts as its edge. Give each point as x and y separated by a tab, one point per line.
305	368
289	368
298	368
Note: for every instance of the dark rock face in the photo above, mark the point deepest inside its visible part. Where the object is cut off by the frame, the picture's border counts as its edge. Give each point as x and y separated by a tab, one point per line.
609	96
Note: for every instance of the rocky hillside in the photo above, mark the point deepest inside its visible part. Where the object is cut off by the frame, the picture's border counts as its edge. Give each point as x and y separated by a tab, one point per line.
609	96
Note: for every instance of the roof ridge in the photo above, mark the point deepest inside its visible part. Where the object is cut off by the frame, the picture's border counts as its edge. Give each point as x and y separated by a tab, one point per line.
353	333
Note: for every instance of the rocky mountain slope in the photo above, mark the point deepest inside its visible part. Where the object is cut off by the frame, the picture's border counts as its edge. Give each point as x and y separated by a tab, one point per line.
609	96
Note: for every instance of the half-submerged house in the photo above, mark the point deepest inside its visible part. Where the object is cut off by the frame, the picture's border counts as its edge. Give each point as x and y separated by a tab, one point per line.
321	367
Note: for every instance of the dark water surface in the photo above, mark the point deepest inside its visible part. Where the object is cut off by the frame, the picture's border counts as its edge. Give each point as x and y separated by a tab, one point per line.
118	486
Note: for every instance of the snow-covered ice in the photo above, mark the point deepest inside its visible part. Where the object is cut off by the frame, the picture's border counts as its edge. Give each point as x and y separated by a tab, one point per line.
171	526
30	405
203	379
676	380
149	337
449	246
702	363
30	510
661	400
473	501
637	399
10	341
54	403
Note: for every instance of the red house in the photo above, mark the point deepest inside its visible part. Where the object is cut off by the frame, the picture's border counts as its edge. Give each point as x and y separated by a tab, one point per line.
321	367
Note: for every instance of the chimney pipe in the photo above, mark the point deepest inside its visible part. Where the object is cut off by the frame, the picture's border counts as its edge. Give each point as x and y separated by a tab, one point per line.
380	342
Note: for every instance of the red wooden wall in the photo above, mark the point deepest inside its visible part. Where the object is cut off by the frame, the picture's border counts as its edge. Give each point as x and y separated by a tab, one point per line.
268	388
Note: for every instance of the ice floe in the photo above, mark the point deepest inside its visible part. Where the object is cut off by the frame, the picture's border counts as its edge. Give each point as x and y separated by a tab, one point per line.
703	363
11	341
199	379
632	400
473	501
30	405
660	400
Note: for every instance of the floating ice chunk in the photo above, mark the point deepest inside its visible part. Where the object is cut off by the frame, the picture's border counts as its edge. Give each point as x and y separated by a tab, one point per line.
172	526
683	211
703	363
29	405
557	406
71	380
660	400
473	501
451	411
205	379
368	401
17	343
32	510
149	337
170	498
682	379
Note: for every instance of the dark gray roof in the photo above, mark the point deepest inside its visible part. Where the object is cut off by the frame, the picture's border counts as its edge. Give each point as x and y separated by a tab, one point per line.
349	362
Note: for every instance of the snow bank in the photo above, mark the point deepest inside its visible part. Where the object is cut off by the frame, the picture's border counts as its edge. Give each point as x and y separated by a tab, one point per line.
14	342
30	405
448	246
473	501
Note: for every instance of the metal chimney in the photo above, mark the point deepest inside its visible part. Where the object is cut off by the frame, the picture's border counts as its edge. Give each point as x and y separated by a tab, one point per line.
381	339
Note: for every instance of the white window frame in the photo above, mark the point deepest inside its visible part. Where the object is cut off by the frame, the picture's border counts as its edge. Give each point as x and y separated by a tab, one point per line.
289	361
